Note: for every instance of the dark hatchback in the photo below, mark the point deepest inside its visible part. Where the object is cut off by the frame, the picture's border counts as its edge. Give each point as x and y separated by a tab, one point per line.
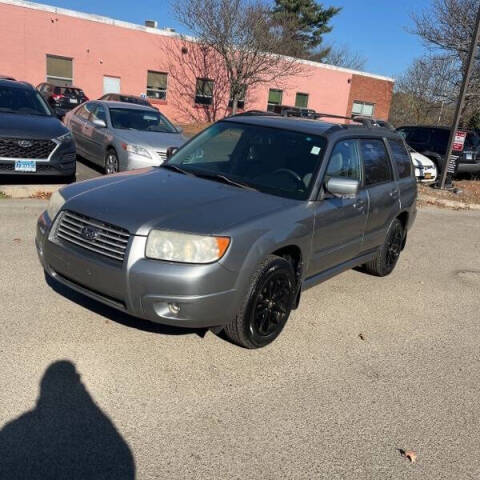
32	139
62	98
433	141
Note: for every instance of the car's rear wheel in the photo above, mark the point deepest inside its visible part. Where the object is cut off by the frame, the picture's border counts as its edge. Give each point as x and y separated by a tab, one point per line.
387	256
111	162
267	305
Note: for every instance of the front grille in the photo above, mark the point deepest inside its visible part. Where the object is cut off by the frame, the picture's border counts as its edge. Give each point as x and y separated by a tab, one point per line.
26	148
162	155
93	235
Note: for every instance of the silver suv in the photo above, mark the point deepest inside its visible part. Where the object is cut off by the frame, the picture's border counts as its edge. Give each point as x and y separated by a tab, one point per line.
236	224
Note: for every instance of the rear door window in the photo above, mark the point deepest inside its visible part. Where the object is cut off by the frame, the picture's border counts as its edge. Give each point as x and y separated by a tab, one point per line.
401	158
376	162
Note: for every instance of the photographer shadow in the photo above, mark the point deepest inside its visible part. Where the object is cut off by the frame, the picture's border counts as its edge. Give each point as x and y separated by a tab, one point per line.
66	435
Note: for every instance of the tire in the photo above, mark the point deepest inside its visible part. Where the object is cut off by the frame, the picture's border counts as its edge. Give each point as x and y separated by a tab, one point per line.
111	162
267	305
387	256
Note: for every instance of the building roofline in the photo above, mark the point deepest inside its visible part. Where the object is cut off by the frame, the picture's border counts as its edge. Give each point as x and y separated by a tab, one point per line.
163	32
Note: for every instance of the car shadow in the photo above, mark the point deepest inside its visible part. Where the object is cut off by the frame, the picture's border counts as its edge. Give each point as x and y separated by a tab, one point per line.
65	436
118	316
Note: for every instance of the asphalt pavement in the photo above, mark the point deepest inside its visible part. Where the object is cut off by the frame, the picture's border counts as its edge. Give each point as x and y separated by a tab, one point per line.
364	368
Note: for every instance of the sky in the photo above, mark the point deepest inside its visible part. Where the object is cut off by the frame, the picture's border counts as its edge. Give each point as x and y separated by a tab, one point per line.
376	29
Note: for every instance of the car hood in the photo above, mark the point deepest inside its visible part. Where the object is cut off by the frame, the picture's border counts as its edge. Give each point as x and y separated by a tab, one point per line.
140	200
153	140
30	126
420	160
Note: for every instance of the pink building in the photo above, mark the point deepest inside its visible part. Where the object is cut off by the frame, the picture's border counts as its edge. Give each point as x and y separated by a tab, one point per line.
102	55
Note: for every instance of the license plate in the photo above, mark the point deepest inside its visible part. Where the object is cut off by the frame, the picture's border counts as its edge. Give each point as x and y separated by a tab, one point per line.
73	100
468	156
428	175
25	166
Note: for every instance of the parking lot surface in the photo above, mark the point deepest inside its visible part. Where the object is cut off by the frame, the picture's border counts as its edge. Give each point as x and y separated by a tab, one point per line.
364	367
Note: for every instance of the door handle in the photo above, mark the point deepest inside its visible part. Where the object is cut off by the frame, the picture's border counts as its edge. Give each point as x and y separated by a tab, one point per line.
394	194
359	204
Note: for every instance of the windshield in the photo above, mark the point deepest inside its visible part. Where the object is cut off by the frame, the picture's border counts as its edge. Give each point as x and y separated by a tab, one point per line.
22	101
274	161
143	120
68	91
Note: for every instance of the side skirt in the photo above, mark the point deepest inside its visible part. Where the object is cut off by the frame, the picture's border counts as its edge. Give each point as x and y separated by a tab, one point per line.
331	272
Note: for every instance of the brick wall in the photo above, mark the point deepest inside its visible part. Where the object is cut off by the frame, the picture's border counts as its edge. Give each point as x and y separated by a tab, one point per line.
371	90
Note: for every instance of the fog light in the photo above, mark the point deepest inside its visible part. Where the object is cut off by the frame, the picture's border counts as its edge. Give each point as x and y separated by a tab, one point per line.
174	308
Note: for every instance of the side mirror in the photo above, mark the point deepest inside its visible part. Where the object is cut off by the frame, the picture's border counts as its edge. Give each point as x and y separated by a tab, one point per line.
171	151
99	123
60	113
343	187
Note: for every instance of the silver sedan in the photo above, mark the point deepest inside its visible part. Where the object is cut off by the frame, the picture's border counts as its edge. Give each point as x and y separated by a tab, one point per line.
122	136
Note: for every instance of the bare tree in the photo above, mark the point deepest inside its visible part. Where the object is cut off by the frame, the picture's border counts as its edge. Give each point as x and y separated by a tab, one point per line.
242	34
343	56
426	92
447	27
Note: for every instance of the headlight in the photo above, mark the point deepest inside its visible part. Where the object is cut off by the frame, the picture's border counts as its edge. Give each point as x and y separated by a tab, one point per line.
185	247
55	204
137	149
66	137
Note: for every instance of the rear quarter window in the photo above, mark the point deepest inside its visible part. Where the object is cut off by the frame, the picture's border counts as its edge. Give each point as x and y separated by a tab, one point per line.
401	158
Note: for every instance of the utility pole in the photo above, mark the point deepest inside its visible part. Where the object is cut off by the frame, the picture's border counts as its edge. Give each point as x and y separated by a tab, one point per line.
461	97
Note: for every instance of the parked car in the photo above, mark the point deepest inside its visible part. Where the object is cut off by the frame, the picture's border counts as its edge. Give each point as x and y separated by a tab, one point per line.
122	136
62	99
236	224
433	141
118	97
32	139
425	169
287	111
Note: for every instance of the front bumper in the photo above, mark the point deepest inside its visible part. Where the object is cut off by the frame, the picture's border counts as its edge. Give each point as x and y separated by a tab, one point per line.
204	294
61	162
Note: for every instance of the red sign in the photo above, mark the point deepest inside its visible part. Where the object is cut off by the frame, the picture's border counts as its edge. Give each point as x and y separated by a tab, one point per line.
459	141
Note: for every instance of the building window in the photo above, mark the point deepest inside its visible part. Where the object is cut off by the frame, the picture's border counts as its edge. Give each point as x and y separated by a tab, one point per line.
301	100
241	99
157	85
274	98
204	91
363	108
59	70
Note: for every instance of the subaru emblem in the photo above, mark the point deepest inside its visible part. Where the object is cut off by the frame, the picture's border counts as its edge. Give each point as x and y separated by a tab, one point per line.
89	233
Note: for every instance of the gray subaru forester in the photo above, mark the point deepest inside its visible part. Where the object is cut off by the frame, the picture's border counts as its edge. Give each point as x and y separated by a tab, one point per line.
236	224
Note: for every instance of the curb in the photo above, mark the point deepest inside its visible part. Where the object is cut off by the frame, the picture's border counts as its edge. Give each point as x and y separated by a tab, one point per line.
441	202
28	191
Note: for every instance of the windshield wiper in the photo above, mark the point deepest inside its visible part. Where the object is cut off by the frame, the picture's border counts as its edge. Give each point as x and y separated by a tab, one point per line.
175	168
224	179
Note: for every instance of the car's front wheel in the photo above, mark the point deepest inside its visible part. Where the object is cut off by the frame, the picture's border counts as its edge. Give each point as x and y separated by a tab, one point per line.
267	306
111	162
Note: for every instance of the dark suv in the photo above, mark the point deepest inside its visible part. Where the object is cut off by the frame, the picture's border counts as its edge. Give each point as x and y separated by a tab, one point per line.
433	142
32	139
236	224
62	98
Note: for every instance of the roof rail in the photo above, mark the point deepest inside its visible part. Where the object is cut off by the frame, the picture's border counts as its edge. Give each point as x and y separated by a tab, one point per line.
256	113
366	122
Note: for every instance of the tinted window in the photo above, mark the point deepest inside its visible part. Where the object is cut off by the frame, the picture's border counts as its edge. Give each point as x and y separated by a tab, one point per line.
274	161
344	161
147	120
22	101
401	158
440	139
376	162
418	135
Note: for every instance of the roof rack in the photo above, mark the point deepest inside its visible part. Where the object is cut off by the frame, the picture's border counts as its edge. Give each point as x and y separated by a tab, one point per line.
256	113
366	122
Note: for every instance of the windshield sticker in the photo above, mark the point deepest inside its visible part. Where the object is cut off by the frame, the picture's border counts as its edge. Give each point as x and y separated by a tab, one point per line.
315	150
